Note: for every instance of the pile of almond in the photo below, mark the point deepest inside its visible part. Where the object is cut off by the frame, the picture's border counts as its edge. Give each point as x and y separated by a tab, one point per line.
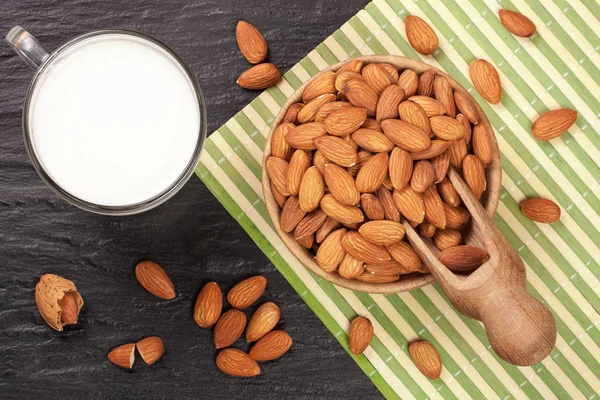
367	146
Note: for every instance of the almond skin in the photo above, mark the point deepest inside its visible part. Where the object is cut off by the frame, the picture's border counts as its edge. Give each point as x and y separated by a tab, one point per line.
291	214
410	204
350	267
337	150
246	292
345	121
422	177
277	169
360	94
310	223
466	106
427	230
229	328
420	35
382	232
373	124
371	140
343	77
426	358
360	334
387	106
486	80
303	136
209	304
279	146
444	94
413	113
426	81
456	217
376	76
307	241
323	83
363	157
448	192
445	238
463	258
273	345
437	147
387	202
441	163
154	279
340	212
409	82
457	151
312	190
328	108
446	128
251	42
554	123
235	362
151	349
53	290
330	253
474	175
263	321
434	208
372	207
405	135
401	168
328	226
516	23
405	255
361	249
541	210
482	145
123	356
298	165
319	160
341	185
261	76
291	116
309	111
373	173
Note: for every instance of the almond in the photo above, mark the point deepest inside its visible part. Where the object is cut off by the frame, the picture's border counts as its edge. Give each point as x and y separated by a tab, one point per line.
261	76
209	304
413	113
58	301
422	177
280	199
446	128
457	151
360	94
273	345
466	105
393	71
405	255
343	77
434	208
352	65
309	111
482	144
420	35
386	268
387	202
363	157
350	267
437	147
291	214
444	94
251	42
324	83
431	106
387	183
361	249
235	362
541	210
466	127
319	160
401	168
298	165
341	185
409	82
279	146
387	106
247	292
440	163
382	232
410	204
516	23
376	278
426	358
229	328
372	173
345	121
427	230
373	124
277	169
486	80
445	238
337	150
360	334
554	123
448	192
310	224
405	135
263	321
330	253
372	207
474	175
328	108
376	76
151	349
456	217
291	114
463	258
154	279
328	226
307	241
426	81
303	136
340	212
371	140
312	190
123	356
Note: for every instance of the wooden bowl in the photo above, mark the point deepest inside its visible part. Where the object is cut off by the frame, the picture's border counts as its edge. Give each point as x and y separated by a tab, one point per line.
490	197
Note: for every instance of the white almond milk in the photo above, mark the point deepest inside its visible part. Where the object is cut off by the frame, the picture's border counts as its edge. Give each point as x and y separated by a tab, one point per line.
115	120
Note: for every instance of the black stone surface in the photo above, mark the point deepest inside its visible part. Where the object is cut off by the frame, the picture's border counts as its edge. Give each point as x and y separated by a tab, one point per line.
192	235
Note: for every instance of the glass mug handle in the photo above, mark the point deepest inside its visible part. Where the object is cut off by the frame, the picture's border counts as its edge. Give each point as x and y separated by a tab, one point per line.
26	46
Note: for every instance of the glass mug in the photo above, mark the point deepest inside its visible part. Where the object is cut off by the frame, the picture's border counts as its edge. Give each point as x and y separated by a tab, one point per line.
114	121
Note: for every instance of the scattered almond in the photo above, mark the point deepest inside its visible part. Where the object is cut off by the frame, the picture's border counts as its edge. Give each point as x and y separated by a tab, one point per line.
209	304
554	123
486	80
420	35
272	346
154	279
434	208
235	362
261	76
360	334
229	328
303	136
123	356
251	42
426	358
516	23
263	321
541	210
151	349
246	292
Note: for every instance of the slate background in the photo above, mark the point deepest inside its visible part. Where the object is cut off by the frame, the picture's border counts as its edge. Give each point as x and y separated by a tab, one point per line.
192	236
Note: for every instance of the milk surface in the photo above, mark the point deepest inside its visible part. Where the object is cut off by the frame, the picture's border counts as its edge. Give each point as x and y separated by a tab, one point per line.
115	120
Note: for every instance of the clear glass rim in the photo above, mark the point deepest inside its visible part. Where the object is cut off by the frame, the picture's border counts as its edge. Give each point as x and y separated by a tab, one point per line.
130	208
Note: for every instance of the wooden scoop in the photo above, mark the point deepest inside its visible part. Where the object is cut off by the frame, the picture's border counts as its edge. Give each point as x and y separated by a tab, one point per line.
521	330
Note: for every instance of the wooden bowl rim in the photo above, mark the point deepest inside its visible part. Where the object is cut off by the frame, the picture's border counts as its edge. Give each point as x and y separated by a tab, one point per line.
406	282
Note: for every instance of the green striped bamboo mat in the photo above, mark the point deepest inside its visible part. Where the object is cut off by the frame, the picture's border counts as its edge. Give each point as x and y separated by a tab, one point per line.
558	67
